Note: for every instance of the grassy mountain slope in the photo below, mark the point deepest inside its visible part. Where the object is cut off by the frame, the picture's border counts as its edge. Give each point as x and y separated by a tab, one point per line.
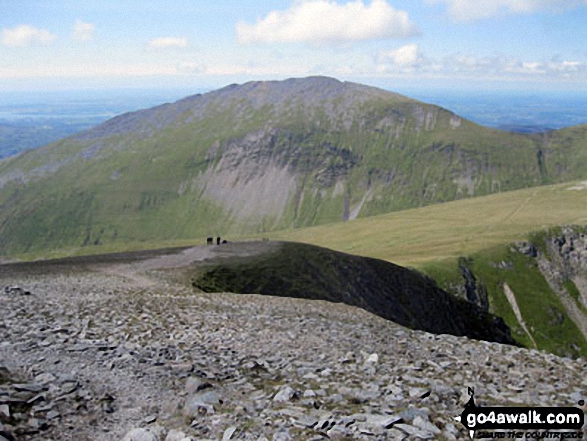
260	157
446	231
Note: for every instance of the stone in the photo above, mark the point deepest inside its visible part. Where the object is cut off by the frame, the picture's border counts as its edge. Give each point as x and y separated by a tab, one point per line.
176	435
381	421
426	425
203	402
45	378
416	392
286	393
4	412
414	432
29	387
373	359
193	385
282	435
307	421
52	414
228	433
412	412
150	419
139	434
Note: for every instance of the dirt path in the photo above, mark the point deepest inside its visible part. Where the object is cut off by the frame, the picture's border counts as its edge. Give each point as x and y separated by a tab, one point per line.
137	272
514	304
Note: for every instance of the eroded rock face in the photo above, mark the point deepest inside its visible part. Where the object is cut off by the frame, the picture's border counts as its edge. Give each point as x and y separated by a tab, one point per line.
564	266
120	355
567	252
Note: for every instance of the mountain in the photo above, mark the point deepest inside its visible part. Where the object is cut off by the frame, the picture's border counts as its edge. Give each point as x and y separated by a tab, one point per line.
264	156
288	269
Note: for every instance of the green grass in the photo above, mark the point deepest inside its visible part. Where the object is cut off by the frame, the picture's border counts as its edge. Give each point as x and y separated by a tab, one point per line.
447	231
419	237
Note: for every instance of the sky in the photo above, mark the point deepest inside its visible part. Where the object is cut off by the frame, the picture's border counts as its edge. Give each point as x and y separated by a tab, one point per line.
427	44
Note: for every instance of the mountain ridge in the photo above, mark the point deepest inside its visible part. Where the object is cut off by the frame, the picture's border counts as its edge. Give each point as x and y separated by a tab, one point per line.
264	156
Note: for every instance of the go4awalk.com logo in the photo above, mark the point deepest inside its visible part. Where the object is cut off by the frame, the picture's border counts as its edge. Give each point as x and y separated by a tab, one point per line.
515	422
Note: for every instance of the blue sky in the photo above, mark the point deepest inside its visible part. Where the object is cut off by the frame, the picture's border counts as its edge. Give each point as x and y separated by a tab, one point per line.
469	44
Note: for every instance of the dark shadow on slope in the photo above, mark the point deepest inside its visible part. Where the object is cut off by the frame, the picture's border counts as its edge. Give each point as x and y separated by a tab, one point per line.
387	290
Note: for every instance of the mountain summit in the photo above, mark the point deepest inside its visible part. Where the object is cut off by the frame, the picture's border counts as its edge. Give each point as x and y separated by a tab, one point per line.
263	156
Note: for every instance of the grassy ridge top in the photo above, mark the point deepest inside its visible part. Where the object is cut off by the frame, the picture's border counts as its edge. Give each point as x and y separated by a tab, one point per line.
447	231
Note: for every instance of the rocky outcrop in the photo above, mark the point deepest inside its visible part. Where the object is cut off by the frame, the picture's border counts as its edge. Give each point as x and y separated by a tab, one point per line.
564	266
472	289
568	253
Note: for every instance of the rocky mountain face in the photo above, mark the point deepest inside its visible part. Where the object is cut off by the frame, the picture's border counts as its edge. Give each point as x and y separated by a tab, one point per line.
563	263
117	348
387	290
263	156
537	286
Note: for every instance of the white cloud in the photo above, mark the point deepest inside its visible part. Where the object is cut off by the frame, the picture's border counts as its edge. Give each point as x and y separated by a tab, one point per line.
405	56
326	21
409	60
83	31
25	35
168	42
465	10
192	68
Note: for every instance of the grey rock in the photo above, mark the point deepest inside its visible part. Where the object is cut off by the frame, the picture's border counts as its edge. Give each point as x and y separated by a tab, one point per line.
411	413
286	393
381	421
29	387
307	421
414	432
52	414
228	433
426	425
45	378
203	402
193	385
282	435
150	419
139	434
176	435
